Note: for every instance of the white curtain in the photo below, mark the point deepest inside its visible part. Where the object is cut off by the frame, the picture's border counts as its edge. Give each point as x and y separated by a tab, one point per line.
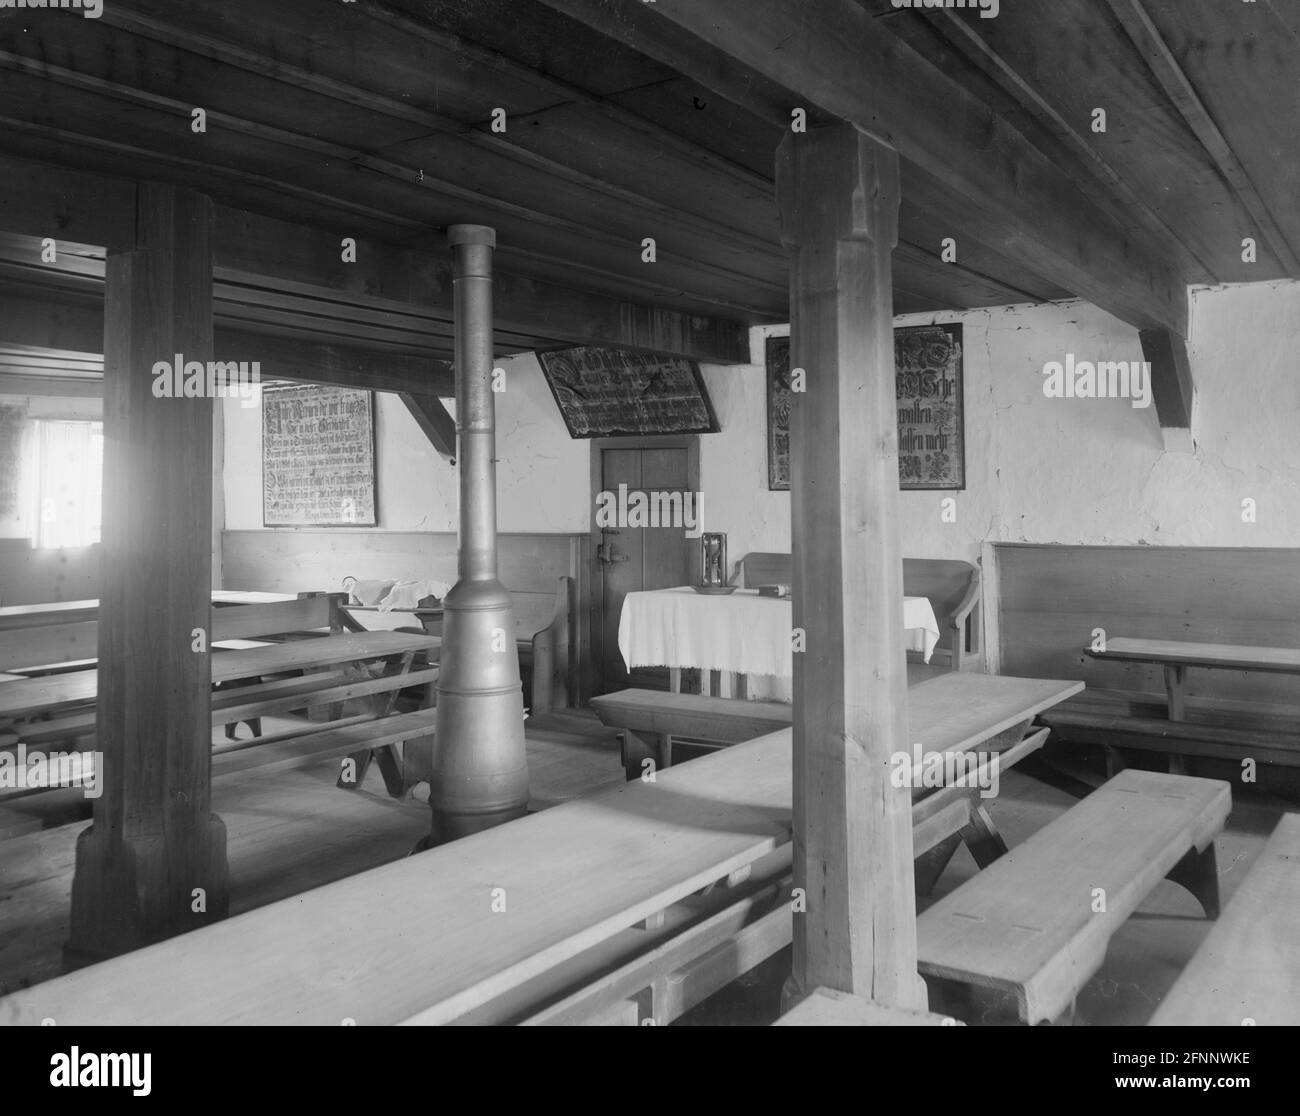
69	483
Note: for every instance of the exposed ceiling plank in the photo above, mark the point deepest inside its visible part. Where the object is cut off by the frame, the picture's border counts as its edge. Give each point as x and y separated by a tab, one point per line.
95	155
837	57
963	35
77	329
1171	376
470	133
39	199
432	418
1147	38
415	179
566	91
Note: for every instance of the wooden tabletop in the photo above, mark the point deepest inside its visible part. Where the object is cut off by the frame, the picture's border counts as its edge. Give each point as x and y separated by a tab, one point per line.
71	612
952	712
571	877
249	596
959	711
64	691
1230	656
40	615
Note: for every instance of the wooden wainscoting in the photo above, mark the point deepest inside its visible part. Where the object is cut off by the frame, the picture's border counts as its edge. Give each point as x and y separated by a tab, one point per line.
30	576
1051	598
295	560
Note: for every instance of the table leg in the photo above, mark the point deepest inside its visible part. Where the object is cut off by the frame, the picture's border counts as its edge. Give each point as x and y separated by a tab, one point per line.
1175	674
981	836
675	679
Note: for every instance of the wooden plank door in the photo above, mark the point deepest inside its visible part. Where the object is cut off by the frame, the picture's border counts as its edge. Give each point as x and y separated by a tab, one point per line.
632	558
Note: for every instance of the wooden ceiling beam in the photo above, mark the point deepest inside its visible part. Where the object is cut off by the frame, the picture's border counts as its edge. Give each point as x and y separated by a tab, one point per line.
39	199
1152	46
37	322
835	56
1171	376
434	420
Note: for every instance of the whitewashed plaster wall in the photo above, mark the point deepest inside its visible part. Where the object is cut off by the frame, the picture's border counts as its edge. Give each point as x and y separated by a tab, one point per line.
543	482
1037	469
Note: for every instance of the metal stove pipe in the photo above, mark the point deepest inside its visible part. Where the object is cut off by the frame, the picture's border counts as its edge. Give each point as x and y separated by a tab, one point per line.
480	772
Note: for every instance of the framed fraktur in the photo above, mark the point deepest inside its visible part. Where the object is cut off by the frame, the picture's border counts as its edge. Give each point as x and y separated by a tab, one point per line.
928	385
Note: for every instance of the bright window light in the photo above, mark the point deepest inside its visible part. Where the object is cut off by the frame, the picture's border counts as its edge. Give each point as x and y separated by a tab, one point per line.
68	481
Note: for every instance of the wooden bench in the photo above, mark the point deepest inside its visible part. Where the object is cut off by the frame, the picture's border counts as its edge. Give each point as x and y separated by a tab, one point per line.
1248	967
544	636
951	586
951	714
53	641
632	905
651	720
1054	603
590	887
1033	927
316	674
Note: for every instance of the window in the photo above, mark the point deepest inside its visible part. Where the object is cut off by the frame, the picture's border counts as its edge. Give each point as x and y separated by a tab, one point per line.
66	483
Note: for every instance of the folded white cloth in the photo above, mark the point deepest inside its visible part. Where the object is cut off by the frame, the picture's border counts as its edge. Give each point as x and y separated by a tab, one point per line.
366	592
409	594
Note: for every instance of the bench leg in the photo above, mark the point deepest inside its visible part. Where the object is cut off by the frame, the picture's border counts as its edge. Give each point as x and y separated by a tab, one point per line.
929	865
361	761
1114	760
982	836
390	767
637	749
1199	873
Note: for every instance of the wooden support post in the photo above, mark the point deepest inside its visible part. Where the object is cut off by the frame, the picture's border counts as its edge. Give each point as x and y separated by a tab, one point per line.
838	193
153	863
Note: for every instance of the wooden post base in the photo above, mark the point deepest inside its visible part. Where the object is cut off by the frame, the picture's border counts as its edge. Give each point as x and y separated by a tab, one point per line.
131	892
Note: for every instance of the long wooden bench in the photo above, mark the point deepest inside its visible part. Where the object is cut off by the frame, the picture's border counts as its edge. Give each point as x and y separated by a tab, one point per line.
1033	927
634	904
355	680
951	586
1248	968
949	713
544	636
651	720
53	641
1056	601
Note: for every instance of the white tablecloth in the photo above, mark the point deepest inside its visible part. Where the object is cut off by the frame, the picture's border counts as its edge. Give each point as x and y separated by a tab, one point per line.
742	633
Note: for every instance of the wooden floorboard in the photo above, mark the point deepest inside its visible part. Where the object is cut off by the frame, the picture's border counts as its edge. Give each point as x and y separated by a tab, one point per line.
288	832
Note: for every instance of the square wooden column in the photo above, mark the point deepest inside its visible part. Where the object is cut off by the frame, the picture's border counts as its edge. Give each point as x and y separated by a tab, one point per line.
153	863
838	193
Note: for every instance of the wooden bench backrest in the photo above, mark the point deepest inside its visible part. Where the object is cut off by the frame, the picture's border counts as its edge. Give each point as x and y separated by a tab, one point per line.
49	644
944	581
1053	598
